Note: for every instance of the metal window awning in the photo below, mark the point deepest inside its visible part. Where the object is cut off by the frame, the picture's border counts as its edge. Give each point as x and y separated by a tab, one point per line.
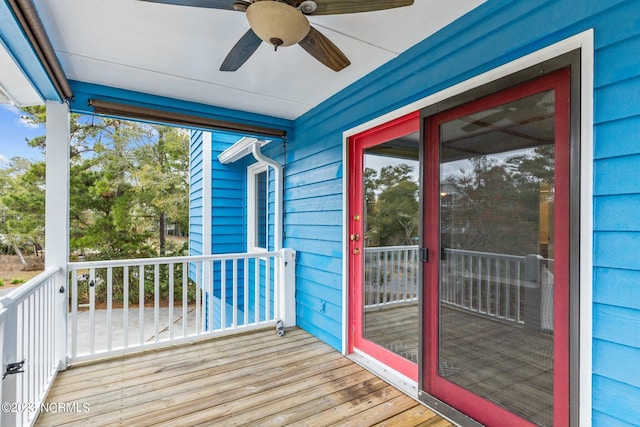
117	109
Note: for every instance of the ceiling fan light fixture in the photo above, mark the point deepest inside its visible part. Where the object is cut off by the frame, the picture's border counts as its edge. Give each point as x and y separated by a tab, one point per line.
280	22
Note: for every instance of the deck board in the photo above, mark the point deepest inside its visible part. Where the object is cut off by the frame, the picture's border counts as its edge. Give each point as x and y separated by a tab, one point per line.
256	379
502	361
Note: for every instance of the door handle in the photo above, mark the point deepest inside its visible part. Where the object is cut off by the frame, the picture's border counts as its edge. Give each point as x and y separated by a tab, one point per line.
354	237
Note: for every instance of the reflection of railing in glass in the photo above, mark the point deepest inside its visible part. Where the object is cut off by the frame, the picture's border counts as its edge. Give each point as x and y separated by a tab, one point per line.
390	276
510	288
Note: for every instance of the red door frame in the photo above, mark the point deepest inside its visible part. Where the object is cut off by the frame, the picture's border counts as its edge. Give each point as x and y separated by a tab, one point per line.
357	145
458	397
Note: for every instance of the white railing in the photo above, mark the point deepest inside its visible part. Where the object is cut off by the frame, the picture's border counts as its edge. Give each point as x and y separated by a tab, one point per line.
29	340
391	276
512	288
123	306
500	286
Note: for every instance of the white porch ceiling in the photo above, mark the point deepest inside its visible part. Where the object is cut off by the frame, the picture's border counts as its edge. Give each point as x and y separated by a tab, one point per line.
14	86
175	51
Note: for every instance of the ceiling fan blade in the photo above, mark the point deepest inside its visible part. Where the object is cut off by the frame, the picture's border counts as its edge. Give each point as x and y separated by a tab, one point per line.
210	4
323	49
241	51
334	7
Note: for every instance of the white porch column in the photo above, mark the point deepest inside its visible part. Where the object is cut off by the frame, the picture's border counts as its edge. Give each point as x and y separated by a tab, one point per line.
56	237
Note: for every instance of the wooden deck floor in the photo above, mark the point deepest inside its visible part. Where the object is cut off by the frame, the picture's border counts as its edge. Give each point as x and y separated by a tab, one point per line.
252	379
500	361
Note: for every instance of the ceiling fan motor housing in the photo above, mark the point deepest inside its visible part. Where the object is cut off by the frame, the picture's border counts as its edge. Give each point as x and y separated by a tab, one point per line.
277	23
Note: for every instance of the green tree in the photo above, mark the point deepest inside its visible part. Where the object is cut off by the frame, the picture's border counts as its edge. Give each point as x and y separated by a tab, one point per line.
392	206
126	179
495	206
22	202
161	178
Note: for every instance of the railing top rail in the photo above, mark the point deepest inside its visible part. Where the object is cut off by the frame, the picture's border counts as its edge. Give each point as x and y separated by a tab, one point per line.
169	260
22	292
490	254
390	248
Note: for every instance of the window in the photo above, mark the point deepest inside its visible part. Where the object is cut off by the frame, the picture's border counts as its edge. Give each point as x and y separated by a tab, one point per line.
258	208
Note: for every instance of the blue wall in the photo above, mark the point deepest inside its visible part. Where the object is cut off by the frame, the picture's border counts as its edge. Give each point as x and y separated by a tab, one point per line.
492	35
195	193
229	188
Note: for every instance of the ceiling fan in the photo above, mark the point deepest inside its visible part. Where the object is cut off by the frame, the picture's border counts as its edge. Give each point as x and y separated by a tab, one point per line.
284	23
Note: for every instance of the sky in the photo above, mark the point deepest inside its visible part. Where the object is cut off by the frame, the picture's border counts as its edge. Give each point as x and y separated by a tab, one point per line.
13	131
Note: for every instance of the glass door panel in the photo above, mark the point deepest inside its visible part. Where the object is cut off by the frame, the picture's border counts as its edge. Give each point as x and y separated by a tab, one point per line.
496	285
497	251
390	240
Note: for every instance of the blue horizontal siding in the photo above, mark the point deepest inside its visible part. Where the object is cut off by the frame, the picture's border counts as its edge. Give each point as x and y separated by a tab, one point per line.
320	261
609	171
617	250
624	131
614	65
614	361
617	325
615	287
321	173
611	213
228	192
319	204
310	317
617	101
327	247
600	419
315	189
302	218
616	399
195	193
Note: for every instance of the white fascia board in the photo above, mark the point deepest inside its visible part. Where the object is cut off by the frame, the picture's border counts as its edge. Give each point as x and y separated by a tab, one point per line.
240	149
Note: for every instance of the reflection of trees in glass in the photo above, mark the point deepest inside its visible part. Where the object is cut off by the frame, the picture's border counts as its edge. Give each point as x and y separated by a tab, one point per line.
497	205
391	202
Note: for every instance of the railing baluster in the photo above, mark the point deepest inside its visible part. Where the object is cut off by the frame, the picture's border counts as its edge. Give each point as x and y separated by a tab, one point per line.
185	297
125	306
267	288
256	285
245	263
156	302
518	292
472	266
234	321
211	296
141	305
32	358
74	313
109	306
197	296
379	278
171	289
92	312
223	295
507	273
